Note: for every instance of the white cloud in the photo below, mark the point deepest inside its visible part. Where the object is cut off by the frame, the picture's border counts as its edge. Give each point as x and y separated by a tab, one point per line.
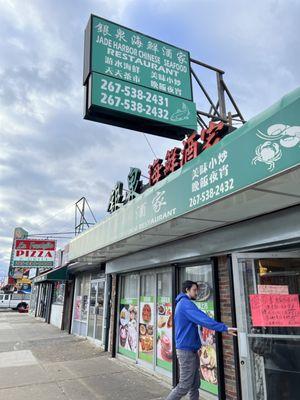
50	156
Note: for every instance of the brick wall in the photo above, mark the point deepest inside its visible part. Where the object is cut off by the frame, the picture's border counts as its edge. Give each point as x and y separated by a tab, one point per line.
226	317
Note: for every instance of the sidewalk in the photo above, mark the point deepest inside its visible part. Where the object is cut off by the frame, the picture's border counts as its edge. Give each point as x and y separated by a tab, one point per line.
40	362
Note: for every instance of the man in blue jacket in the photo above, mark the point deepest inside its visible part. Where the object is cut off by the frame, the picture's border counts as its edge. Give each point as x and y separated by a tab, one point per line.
187	318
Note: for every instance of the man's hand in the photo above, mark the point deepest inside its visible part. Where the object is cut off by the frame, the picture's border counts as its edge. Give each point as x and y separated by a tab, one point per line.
232	331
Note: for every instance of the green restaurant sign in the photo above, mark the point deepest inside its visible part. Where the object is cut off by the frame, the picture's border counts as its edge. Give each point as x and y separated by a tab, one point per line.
137	82
265	146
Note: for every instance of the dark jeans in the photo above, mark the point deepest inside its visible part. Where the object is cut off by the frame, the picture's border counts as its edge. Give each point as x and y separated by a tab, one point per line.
189	378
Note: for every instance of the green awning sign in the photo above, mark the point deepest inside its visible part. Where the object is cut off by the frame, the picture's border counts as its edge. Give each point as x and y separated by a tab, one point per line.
129	74
55	275
264	147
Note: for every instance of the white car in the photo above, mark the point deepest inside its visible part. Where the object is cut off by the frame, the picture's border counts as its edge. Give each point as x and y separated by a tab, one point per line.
14	300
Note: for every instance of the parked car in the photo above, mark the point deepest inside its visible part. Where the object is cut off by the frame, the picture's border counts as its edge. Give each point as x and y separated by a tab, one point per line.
16	301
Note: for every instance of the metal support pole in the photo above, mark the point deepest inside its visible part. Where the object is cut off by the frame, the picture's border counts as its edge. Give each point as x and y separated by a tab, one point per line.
201	121
221	97
107	311
217	107
233	102
212	116
205	92
202	64
217	111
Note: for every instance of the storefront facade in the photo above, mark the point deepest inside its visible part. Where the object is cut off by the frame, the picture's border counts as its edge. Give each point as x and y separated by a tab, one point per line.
48	297
89	305
247	368
267	287
230	220
145	318
43	302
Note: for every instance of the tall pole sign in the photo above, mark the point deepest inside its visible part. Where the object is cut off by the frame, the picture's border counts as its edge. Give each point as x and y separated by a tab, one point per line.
137	82
19	233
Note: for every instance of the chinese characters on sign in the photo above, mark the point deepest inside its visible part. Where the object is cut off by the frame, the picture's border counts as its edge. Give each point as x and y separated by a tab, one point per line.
156	171
135	186
214	172
273	289
137	82
131	56
212	135
191	149
116	198
275	309
172	160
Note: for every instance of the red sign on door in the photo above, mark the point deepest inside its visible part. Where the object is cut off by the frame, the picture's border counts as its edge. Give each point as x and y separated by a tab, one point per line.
275	309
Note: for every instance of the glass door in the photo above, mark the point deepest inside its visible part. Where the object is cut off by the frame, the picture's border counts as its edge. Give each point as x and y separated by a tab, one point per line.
95	320
92	310
203	275
267	288
99	310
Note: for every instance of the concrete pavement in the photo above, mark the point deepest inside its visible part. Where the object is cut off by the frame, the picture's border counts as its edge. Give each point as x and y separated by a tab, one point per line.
40	362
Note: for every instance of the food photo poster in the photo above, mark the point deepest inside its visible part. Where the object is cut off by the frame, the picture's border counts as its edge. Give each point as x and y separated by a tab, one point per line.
128	332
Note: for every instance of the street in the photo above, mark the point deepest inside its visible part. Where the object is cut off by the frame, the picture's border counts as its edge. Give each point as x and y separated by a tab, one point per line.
38	361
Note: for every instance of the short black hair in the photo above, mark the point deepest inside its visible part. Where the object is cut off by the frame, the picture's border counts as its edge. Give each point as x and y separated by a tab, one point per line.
186	285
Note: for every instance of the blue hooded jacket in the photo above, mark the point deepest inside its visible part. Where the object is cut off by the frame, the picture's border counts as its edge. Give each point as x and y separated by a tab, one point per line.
187	318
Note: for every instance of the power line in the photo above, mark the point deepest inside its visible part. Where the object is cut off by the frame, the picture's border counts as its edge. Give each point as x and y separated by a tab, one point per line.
59	237
54	215
149	145
51	233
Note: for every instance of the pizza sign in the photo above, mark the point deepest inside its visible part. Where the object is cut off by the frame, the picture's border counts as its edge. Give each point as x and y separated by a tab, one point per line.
32	253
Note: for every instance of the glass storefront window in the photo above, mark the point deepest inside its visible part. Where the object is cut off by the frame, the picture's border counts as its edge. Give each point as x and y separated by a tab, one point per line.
272	288
147	315
85	296
147	298
58	293
81	298
164	321
128	317
202	274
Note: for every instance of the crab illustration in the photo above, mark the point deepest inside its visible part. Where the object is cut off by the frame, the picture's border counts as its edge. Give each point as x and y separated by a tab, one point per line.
291	137
288	136
267	153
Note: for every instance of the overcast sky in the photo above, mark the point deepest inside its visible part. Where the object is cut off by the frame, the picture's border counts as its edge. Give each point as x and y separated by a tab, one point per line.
50	156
